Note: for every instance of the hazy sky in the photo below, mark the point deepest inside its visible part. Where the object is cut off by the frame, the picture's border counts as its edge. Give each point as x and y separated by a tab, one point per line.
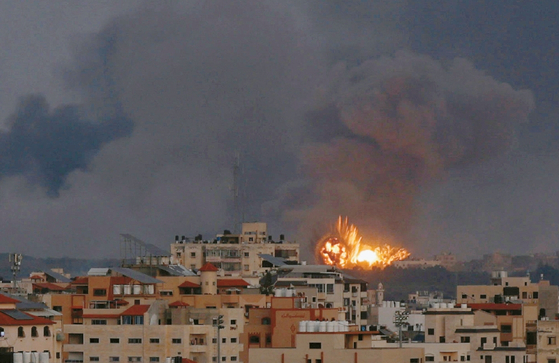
431	124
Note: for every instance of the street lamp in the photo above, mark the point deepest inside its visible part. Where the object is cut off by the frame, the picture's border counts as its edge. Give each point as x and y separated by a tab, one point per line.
400	320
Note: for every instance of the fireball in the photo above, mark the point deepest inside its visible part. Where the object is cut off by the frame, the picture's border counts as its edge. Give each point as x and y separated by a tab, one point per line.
343	248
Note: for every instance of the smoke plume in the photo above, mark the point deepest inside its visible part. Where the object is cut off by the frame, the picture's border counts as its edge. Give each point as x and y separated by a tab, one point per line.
391	125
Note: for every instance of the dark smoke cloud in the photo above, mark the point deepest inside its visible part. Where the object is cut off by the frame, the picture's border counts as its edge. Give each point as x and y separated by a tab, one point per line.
400	123
46	145
323	122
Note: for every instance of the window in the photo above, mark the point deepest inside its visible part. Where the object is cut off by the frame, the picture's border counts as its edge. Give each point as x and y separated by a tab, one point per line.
430	358
464	296
551	340
57	308
154	359
99	292
464	339
223	359
431	331
114	340
134	359
176	340
414	360
20	332
94	359
134	340
34	332
505	328
154	340
233	340
247	254
224	340
315	345
266	321
192	254
535	296
2	333
483	296
214	340
233	322
551	360
98	322
247	268
46	331
93	340
254	339
346	301
114	359
166	293
233	358
329	288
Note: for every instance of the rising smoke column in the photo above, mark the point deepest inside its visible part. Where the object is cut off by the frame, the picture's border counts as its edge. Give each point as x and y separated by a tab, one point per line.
391	125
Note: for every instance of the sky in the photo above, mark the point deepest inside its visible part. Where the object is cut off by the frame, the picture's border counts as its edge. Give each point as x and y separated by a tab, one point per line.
432	125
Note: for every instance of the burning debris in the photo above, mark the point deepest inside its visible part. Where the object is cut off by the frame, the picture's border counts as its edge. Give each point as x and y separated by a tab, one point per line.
343	248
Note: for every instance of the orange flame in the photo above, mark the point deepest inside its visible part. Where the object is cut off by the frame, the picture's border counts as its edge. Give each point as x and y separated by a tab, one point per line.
343	249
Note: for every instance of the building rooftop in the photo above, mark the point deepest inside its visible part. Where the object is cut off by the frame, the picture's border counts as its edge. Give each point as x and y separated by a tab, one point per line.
208	267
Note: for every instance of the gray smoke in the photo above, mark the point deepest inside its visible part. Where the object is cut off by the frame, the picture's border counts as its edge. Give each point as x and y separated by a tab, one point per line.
324	123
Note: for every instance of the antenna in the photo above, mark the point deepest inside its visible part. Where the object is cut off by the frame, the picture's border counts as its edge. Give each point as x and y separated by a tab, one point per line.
15	259
235	190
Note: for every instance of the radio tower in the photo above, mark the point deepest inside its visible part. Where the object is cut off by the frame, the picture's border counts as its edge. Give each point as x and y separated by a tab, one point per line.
235	190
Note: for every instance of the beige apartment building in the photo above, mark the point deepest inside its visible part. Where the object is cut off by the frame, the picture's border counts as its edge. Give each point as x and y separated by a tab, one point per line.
26	335
504	289
152	333
335	347
247	254
547	347
479	329
326	287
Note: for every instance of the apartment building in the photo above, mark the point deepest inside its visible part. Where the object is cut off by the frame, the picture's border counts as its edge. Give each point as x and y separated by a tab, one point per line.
333	289
507	289
154	332
546	341
479	329
26	335
330	347
236	254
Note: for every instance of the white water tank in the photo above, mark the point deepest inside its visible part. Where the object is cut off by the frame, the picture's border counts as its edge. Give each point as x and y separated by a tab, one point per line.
168	360
26	357
330	326
288	292
336	326
117	289
463	306
151	289
310	326
127	289
18	357
44	357
137	289
302	326
322	326
34	357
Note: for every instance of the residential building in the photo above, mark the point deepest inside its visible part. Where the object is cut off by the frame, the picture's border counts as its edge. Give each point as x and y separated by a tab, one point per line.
236	254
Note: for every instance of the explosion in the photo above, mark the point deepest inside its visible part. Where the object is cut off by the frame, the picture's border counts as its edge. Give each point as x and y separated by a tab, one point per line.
343	249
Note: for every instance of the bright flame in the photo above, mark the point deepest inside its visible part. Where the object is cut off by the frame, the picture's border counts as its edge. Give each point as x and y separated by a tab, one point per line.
343	249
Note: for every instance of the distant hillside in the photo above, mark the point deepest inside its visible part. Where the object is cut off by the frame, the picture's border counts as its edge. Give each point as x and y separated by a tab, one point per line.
75	266
398	283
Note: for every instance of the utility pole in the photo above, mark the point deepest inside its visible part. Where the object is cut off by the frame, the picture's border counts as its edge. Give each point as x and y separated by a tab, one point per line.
400	320
219	327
